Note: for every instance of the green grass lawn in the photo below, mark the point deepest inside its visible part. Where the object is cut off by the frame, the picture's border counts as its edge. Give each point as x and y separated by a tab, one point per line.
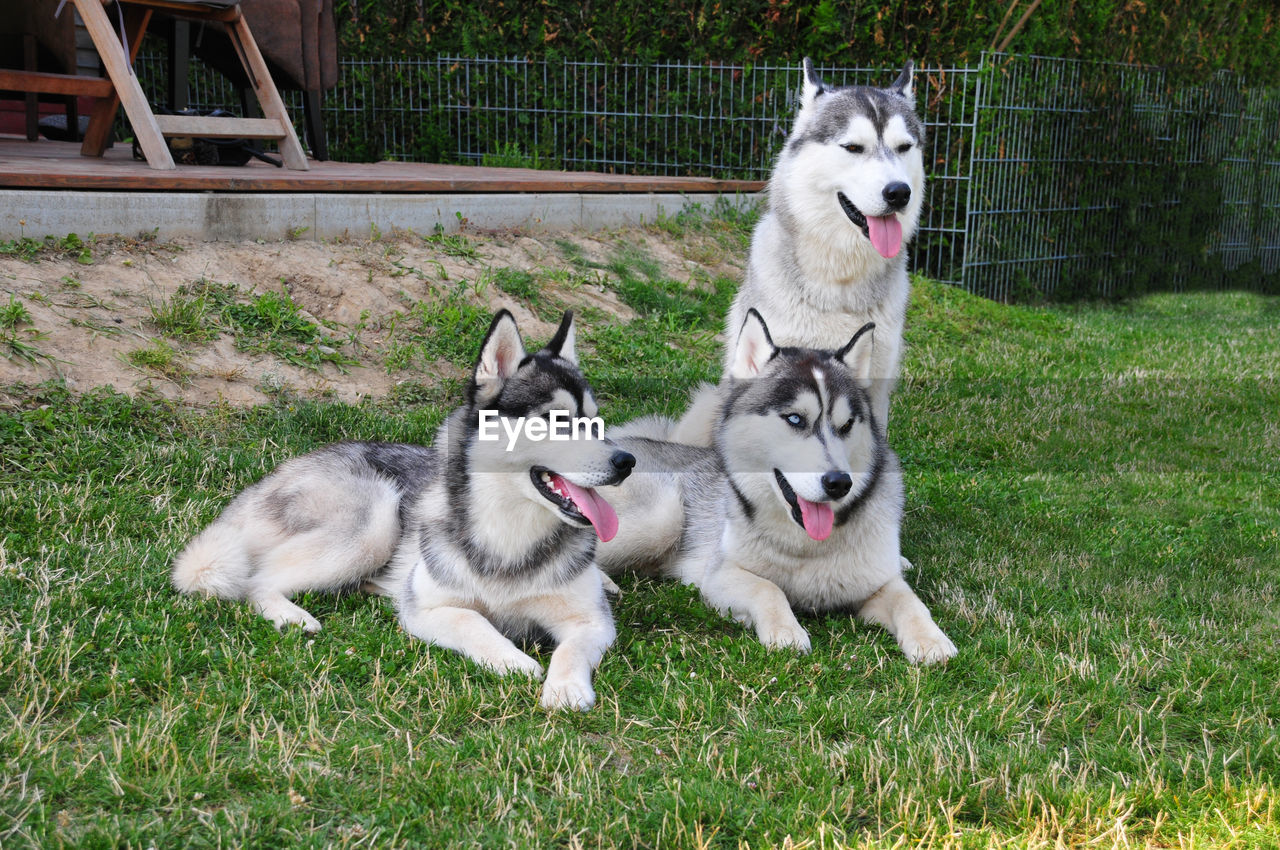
1092	511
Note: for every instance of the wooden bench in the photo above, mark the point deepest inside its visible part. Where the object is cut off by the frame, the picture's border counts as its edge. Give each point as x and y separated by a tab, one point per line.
120	87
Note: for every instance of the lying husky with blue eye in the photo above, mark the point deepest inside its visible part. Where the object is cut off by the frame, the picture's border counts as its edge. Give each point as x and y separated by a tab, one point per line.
797	504
489	533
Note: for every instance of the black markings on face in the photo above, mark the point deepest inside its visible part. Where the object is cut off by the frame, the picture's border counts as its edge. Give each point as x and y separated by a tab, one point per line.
542	382
840	106
795	373
540	378
850	508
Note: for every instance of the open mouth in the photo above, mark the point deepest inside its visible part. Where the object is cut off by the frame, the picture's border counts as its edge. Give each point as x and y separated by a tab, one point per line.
581	505
816	518
855	215
884	231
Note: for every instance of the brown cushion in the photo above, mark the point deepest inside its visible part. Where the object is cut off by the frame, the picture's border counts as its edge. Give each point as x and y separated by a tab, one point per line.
296	37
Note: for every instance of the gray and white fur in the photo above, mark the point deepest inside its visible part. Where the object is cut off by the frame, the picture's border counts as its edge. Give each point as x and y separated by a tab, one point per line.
797	504
828	253
476	541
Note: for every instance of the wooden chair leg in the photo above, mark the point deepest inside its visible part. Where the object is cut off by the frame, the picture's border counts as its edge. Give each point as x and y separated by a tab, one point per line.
128	92
179	65
103	117
101	121
30	62
73	118
268	96
314	117
249	103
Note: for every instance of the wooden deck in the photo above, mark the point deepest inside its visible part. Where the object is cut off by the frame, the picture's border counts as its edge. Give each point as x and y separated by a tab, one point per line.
46	164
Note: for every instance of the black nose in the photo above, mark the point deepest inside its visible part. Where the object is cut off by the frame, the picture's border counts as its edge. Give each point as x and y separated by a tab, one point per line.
897	195
836	484
623	463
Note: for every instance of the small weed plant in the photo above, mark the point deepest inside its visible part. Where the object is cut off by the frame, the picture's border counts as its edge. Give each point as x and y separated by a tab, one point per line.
16	334
159	358
186	318
29	249
452	244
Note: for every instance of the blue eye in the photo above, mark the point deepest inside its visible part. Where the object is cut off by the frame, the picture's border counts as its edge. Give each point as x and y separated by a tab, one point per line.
795	420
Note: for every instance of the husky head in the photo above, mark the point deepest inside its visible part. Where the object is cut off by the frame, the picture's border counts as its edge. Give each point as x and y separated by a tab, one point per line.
852	166
536	421
797	434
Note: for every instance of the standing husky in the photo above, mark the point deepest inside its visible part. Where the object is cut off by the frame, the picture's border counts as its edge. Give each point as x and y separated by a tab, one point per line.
826	256
488	533
797	503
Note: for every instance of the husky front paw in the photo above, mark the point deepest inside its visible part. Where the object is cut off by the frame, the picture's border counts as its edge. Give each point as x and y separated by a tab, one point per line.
927	647
568	694
309	624
610	586
281	612
515	663
784	636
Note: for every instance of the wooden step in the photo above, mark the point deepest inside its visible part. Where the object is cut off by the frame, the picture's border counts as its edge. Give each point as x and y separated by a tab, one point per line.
212	127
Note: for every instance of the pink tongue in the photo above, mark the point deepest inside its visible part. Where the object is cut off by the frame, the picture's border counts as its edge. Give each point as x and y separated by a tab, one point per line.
886	234
818	518
597	511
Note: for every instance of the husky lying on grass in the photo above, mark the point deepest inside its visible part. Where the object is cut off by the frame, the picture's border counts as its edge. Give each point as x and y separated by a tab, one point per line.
489	533
797	503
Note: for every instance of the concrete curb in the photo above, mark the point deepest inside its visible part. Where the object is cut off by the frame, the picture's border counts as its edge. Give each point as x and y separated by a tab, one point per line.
214	216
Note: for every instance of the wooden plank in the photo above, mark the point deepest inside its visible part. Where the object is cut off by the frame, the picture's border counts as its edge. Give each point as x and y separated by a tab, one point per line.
103	118
219	128
221	10
57	165
40	82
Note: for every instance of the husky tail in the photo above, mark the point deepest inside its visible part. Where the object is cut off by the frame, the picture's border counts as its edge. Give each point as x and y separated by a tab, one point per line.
646	427
698	423
215	563
693	428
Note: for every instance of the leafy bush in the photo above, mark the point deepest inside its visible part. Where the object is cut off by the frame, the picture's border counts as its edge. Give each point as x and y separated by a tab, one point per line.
1189	36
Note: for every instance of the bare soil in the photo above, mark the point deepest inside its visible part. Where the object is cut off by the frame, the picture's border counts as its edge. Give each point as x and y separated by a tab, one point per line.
89	313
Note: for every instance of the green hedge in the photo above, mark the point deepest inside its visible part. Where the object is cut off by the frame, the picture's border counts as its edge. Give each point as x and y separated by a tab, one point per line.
1191	37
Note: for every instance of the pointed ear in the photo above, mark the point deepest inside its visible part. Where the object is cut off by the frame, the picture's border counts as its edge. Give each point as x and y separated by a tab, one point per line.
500	357
857	354
813	85
755	348
904	86
563	344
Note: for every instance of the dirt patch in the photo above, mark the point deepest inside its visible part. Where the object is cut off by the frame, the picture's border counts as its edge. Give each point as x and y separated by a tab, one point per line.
243	322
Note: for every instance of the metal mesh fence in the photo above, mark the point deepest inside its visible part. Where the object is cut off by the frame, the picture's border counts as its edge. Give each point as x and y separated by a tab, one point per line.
1046	176
666	118
1093	179
638	119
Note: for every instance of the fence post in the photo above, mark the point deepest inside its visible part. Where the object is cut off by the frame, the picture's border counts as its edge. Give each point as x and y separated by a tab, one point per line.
967	252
